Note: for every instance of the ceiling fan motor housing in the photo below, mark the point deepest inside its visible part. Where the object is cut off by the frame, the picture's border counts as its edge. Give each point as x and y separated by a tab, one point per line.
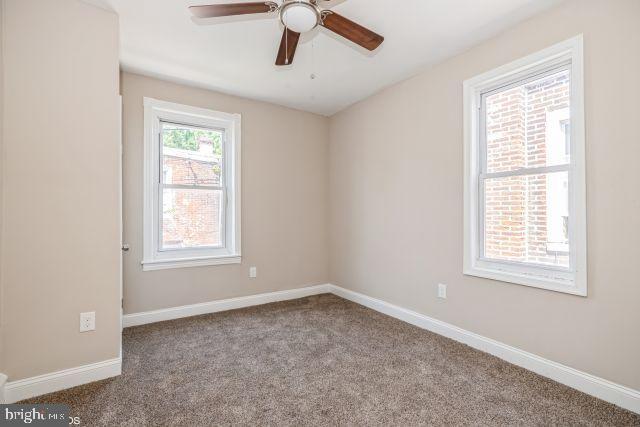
300	15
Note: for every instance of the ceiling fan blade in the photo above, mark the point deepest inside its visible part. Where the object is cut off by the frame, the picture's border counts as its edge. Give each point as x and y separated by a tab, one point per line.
230	9
351	31
288	46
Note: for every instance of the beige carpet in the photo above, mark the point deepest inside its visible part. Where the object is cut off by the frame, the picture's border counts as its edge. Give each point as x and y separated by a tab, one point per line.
320	361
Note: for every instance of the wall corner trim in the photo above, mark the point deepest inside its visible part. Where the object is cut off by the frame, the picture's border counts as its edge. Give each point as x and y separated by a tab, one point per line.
606	390
143	318
15	391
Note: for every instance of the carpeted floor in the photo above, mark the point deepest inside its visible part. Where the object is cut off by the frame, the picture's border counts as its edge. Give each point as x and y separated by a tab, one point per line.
320	361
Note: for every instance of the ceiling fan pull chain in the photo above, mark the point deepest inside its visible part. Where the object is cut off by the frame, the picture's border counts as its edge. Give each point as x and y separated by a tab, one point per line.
313	62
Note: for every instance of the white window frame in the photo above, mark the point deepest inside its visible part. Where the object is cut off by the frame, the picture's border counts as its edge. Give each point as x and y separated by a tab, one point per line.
572	280
155	258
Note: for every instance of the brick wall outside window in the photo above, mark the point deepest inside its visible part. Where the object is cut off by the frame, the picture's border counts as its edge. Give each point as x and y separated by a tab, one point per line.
517	208
191	218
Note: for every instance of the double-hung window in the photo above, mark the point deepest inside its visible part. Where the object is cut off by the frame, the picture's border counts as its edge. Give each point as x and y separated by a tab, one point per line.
192	186
525	219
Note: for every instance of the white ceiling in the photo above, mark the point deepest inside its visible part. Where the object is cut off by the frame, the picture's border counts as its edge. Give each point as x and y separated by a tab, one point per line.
236	55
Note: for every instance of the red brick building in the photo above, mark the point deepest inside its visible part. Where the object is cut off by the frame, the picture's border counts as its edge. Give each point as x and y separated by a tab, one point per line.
192	217
528	126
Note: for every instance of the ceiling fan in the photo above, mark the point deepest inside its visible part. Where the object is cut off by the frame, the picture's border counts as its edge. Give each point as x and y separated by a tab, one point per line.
297	16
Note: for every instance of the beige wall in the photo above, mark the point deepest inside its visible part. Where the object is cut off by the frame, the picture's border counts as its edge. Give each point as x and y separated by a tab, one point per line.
284	195
60	241
396	203
1	174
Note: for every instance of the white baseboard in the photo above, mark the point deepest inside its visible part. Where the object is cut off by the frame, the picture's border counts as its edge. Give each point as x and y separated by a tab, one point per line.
611	392
143	318
15	391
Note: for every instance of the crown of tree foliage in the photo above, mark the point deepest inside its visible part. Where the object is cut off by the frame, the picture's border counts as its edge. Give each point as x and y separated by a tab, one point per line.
189	139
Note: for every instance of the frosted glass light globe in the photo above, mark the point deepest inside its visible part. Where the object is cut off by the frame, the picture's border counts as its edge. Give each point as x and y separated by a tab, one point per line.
300	17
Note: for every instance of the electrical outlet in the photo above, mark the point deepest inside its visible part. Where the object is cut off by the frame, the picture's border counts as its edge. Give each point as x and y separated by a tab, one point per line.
88	321
253	272
442	291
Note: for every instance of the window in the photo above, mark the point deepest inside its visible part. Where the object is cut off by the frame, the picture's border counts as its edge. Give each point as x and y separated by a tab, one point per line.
525	220
192	186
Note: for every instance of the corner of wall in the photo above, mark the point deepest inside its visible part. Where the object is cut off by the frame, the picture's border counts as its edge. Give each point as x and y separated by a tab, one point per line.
3	378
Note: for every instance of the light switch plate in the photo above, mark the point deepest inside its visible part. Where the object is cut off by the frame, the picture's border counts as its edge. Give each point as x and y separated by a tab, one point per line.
253	272
442	291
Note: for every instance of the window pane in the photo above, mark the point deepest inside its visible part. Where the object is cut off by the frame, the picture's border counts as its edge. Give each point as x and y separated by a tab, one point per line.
527	219
191	218
527	126
191	156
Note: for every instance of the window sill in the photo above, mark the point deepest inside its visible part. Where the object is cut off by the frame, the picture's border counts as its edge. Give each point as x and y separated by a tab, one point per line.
166	264
532	280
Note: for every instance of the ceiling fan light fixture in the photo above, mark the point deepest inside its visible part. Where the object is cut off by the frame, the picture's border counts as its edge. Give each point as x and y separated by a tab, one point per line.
299	16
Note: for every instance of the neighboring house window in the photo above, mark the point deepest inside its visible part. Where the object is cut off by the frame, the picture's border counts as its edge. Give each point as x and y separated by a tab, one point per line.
525	219
192	186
